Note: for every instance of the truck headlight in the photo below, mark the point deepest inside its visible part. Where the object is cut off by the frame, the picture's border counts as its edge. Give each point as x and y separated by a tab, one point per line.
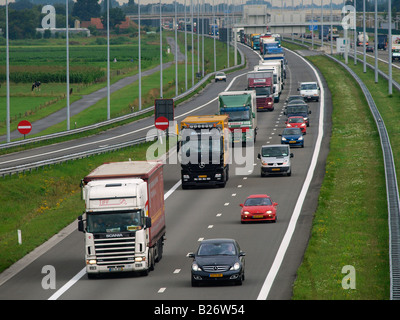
91	261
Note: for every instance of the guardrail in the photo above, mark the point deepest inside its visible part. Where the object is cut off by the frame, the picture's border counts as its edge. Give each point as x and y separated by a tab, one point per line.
80	155
391	188
392	191
118	119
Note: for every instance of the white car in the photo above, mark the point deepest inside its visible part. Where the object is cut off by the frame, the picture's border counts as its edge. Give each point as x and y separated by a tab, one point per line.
220	76
275	159
309	90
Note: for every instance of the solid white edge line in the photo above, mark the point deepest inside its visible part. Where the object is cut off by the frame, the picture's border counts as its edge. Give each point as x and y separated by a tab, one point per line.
68	285
269	280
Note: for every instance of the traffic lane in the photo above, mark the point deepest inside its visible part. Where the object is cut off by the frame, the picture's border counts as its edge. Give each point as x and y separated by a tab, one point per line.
33	282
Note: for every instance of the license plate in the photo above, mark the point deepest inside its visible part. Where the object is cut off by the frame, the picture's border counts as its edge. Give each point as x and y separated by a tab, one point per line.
115	269
216	275
258	216
203	176
276	169
292	141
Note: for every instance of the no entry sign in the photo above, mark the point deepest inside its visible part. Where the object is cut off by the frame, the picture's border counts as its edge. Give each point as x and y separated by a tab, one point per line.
161	123
24	127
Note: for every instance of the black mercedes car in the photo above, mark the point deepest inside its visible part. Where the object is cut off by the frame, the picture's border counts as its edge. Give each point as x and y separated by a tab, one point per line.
218	260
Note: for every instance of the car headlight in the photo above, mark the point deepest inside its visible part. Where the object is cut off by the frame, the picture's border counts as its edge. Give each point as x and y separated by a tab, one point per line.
301	138
195	267
269	211
236	266
283	139
246	212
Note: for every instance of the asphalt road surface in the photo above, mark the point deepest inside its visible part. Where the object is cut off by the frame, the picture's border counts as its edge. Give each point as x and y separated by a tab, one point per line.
273	250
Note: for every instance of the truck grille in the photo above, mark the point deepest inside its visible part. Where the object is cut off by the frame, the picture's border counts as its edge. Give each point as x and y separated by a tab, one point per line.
216	268
115	250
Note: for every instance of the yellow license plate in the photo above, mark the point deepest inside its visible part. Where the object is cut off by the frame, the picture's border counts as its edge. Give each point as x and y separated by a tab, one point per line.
292	141
203	176
276	169
258	216
216	275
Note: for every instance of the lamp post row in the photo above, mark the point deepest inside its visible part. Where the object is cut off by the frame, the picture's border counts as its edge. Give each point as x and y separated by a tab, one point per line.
201	10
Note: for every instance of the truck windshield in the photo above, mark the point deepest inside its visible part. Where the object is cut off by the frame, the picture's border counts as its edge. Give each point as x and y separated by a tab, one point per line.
118	221
263	91
243	115
201	141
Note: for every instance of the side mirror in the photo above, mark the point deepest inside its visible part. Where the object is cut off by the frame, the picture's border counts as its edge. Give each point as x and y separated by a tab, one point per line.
309	112
298	89
241	205
291	155
242	254
275	204
280	135
148	222
81	227
259	156
190	255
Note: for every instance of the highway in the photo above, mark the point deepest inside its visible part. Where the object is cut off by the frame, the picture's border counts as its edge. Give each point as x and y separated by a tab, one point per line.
192	215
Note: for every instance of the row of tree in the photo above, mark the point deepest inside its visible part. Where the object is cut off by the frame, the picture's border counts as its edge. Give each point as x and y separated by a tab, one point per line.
24	17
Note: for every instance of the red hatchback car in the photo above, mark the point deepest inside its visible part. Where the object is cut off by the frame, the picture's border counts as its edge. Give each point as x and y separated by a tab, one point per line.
258	207
297	122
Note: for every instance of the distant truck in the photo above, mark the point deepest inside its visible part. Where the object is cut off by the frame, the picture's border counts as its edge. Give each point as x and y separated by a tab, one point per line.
276	67
395	47
241	107
204	143
263	83
125	217
382	41
360	39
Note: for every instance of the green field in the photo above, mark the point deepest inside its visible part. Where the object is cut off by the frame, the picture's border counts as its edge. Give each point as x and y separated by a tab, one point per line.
350	226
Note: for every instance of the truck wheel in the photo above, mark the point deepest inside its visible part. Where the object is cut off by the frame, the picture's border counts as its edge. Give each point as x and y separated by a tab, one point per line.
151	259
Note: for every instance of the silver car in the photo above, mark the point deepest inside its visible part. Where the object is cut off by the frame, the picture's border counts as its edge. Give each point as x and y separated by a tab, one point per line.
275	159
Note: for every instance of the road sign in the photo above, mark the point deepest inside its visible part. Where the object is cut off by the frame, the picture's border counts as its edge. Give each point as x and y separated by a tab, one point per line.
161	123
24	127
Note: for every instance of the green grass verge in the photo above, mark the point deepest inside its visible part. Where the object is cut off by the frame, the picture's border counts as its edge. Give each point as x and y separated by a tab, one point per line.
44	201
350	226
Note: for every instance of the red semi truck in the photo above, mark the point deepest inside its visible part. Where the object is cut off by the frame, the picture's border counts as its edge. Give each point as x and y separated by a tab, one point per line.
262	83
124	219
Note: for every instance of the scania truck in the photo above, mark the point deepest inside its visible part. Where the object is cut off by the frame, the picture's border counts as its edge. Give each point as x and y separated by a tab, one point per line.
241	107
124	218
262	82
204	145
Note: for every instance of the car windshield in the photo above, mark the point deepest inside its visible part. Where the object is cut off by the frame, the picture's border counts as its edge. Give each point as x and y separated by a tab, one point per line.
296	102
292	98
275	151
297	109
114	222
290	131
220	74
218	248
258	202
308	86
296	120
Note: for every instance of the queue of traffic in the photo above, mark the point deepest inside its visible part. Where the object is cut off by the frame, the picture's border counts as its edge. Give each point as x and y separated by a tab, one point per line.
124	218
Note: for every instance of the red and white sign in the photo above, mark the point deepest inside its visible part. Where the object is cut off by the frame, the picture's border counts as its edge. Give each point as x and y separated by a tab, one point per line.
24	127
161	123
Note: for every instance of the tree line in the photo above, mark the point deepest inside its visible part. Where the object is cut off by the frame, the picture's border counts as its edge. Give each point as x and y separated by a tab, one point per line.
24	16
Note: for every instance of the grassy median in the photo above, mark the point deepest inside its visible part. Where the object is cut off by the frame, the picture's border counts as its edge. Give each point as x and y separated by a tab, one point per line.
350	226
